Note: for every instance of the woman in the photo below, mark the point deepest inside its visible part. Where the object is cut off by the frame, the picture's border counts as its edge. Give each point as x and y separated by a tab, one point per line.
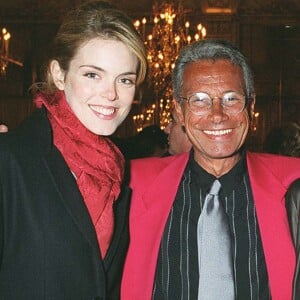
63	228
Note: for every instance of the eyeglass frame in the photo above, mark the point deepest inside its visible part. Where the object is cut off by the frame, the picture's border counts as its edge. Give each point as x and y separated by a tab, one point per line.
246	100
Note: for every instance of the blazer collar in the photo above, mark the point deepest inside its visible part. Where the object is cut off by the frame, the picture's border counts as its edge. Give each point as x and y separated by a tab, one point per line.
170	176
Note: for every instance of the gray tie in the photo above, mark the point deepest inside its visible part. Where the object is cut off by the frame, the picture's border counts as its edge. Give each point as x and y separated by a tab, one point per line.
214	250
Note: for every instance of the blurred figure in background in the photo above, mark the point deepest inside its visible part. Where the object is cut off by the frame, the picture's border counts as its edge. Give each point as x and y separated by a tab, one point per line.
284	140
151	141
3	128
178	141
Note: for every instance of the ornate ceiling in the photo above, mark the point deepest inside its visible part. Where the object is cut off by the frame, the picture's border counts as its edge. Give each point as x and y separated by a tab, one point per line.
52	10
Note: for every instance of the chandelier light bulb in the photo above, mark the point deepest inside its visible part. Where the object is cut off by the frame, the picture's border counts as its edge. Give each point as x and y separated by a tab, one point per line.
199	27
7	36
137	24
160	56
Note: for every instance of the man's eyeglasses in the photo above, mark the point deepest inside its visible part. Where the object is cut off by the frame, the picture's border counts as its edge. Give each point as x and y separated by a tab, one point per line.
200	103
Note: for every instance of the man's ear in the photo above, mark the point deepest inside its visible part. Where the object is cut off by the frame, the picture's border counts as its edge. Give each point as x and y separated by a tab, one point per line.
253	103
251	107
179	112
57	74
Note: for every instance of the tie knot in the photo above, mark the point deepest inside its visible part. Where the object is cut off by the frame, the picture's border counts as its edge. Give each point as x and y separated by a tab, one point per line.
215	188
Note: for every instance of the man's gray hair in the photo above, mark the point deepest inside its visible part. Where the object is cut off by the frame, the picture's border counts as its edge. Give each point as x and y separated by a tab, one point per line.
211	49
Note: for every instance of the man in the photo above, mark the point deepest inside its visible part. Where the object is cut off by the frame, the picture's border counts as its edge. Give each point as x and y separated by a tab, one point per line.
214	93
177	138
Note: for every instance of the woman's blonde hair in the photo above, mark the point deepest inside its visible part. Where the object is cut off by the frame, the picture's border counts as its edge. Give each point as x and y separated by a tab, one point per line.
94	19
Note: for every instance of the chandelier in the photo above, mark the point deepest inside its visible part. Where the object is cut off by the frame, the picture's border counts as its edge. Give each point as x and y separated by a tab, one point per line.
4	43
164	34
4	52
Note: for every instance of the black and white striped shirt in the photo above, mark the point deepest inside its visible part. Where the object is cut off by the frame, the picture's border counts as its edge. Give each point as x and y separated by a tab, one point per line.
177	267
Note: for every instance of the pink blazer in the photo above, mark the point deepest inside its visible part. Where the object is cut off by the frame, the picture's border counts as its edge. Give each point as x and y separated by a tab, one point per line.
155	181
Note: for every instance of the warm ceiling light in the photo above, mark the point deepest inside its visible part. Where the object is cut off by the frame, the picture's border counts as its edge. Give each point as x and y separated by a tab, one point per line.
217	10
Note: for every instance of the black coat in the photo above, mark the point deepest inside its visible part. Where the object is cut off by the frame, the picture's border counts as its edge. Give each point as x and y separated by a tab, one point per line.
48	245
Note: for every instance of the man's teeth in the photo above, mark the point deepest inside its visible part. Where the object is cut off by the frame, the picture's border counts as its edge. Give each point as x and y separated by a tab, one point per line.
103	110
217	132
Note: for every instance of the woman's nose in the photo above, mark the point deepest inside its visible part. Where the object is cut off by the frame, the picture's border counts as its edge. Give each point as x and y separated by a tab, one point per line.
110	92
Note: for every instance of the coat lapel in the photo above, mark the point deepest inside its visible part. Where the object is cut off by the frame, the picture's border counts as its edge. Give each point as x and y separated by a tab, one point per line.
121	213
70	195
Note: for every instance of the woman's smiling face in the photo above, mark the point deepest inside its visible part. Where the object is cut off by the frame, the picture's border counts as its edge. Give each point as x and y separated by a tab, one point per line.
100	84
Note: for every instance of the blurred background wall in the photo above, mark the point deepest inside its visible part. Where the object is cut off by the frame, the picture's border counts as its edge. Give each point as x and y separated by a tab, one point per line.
267	31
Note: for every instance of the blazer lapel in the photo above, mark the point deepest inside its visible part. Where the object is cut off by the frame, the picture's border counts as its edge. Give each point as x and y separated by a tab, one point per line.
171	177
268	194
149	217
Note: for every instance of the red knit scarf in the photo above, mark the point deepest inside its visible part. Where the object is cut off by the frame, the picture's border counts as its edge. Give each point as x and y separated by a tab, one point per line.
96	162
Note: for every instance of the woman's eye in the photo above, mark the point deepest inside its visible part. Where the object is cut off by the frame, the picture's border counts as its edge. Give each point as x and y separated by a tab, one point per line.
91	75
127	81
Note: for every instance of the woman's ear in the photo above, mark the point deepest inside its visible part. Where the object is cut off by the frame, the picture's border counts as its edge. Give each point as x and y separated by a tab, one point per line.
57	74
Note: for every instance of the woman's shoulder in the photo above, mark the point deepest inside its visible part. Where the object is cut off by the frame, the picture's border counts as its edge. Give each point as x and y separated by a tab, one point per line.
33	132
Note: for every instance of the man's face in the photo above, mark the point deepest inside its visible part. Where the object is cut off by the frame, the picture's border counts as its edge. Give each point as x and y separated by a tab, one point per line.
215	135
